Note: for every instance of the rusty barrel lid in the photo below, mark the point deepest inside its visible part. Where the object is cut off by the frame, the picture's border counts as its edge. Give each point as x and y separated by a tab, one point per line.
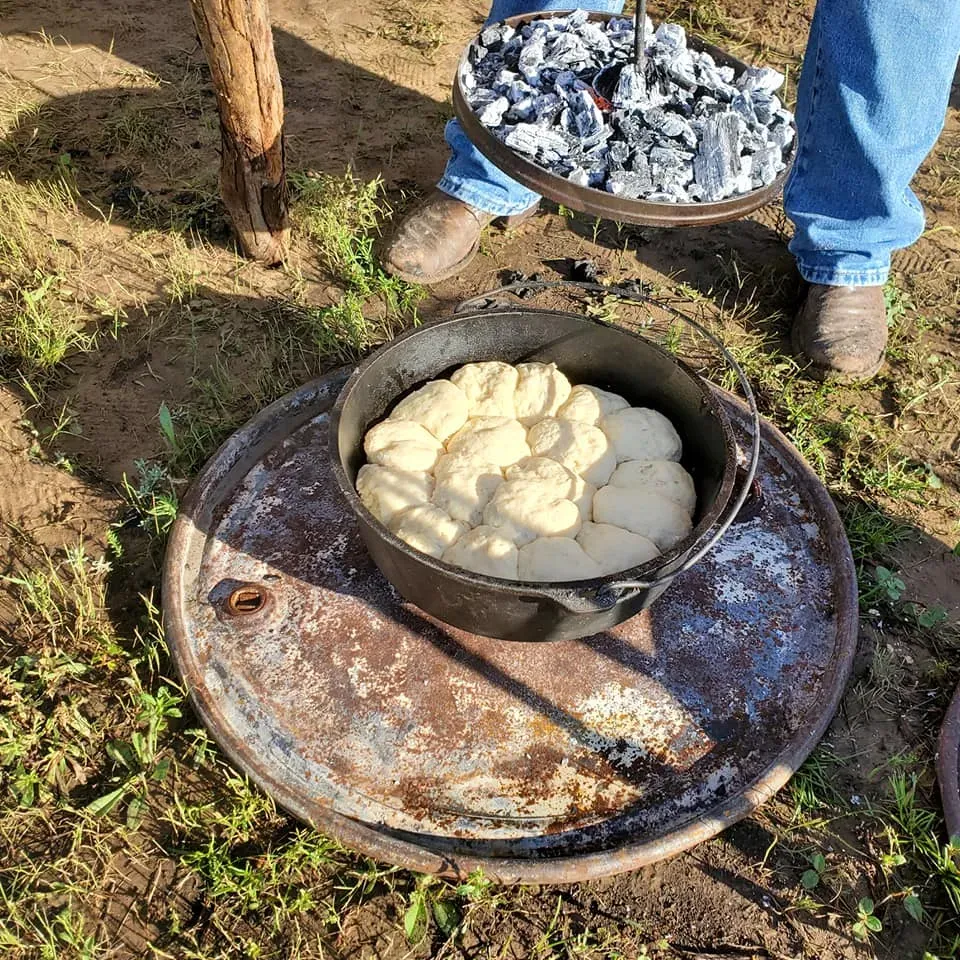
443	752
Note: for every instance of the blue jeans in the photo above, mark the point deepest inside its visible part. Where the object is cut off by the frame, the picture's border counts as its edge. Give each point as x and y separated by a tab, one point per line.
871	102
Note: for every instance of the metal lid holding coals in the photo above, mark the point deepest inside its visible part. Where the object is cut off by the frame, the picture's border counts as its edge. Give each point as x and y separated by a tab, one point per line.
599	203
441	751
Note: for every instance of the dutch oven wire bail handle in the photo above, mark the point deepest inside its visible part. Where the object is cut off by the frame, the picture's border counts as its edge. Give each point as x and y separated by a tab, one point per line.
621	590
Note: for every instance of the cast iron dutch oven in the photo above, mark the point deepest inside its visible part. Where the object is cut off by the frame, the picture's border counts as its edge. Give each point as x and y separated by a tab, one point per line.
587	351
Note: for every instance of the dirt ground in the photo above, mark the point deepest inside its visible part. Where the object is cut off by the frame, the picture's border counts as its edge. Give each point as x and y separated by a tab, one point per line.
113	98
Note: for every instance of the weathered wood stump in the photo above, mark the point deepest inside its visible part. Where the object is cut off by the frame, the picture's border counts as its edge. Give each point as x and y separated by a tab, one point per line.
238	43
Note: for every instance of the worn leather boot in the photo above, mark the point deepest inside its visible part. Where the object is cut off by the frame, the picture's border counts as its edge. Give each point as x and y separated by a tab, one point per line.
439	238
842	331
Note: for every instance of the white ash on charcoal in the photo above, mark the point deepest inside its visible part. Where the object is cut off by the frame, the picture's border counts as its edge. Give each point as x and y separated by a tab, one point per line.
564	93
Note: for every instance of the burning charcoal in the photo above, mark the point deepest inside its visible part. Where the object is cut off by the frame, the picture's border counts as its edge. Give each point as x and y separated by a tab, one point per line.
711	79
765	105
675	126
623	183
528	138
631	88
531	60
752	140
523	111
681	69
492	113
520	91
670	36
717	163
492	36
576	19
760	78
596	40
584	271
566	51
681	133
503	81
766	165
782	135
587	116
481	96
619	154
567	84
538	29
547	108
743	105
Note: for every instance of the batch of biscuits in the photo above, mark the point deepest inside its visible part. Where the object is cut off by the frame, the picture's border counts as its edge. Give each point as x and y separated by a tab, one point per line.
512	472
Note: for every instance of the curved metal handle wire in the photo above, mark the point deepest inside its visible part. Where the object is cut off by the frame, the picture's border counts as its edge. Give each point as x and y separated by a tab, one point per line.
610	594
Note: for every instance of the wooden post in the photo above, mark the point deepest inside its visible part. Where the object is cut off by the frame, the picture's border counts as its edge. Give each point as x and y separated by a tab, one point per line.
238	42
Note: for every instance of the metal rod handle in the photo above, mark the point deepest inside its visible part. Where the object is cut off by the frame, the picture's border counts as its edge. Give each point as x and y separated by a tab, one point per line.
639	38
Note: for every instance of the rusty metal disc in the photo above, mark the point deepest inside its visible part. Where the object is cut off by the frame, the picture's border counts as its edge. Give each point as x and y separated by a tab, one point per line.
599	203
441	751
948	765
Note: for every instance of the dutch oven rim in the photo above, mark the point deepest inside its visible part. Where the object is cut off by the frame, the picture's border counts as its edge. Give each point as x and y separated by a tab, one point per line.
660	567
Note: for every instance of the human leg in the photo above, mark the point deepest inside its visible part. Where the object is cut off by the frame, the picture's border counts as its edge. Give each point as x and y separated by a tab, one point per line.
871	102
439	239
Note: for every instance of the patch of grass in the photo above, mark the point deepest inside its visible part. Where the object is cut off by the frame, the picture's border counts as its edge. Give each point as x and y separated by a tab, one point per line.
813	785
36	330
870	531
412	25
342	217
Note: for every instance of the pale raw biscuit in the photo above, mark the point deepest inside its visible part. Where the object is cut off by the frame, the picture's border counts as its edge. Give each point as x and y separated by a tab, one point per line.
552	559
489	386
485	550
541	389
427	528
403	445
578	446
665	477
440	406
385	492
649	514
499	440
525	510
639	433
614	548
588	404
563	483
464	486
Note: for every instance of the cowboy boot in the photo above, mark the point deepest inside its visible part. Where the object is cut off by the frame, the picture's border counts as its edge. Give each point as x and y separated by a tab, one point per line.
842	331
439	238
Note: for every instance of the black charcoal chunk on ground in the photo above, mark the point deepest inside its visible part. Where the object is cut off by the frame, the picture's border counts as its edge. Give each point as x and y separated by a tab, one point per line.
584	271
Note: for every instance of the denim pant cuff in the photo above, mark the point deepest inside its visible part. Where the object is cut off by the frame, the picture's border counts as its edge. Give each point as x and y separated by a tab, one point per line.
481	199
834	277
